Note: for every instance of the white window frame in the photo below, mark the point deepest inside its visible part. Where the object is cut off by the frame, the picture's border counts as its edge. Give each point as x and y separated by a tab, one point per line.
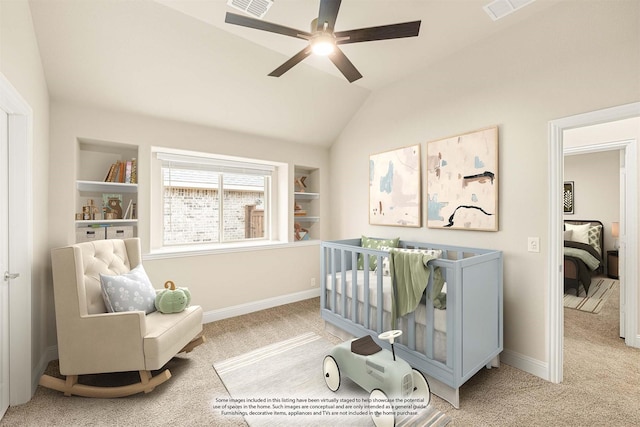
275	229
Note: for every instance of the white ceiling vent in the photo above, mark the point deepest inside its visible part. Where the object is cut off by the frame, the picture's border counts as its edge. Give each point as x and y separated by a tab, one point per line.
500	8
256	8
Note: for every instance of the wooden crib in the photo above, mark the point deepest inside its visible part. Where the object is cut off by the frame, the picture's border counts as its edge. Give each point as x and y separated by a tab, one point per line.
449	346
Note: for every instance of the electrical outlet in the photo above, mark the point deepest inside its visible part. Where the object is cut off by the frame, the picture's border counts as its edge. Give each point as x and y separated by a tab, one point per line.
533	244
313	282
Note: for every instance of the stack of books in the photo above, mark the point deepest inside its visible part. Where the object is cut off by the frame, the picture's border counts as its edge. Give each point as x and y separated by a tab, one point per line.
124	172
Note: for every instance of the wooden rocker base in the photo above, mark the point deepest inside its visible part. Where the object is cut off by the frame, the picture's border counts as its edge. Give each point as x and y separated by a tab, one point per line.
193	344
147	383
70	386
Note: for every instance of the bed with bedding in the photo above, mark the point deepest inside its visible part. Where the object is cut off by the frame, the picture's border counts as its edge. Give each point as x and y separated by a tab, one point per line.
452	321
583	253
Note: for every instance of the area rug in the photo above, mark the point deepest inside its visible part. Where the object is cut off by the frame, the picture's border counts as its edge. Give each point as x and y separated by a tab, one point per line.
283	384
599	291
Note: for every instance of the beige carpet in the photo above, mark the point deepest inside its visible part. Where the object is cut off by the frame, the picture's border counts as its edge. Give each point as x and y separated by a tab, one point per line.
599	291
282	384
600	388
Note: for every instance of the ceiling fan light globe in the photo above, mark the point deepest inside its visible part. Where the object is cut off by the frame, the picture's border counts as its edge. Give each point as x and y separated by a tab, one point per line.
322	47
323	43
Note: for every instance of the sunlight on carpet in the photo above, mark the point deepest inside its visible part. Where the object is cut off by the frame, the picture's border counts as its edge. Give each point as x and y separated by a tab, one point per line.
282	384
599	291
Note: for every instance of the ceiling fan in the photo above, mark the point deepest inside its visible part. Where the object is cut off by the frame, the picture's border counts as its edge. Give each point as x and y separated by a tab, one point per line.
323	40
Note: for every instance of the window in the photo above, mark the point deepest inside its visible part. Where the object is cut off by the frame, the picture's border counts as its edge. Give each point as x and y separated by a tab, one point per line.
210	200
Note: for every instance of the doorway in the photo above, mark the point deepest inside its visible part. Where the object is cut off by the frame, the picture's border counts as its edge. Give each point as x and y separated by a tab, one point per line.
599	192
629	228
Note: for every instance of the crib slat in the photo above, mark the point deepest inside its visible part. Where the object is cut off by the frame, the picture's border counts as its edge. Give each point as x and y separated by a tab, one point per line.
323	277
411	330
454	341
354	287
333	280
366	292
380	309
429	342
343	282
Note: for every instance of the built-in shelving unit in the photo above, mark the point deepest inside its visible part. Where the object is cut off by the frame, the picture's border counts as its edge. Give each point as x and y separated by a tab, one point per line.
306	203
94	163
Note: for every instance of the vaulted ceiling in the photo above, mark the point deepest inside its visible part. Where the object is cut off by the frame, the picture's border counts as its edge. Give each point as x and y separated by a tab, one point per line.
177	59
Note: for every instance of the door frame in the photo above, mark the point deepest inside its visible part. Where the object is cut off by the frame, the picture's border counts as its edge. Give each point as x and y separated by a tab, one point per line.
555	315
20	123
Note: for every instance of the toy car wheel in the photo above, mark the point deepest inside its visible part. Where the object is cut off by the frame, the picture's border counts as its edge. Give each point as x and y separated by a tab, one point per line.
331	373
421	387
381	410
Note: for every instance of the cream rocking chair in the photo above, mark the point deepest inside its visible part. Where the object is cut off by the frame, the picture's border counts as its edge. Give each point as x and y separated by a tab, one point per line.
91	340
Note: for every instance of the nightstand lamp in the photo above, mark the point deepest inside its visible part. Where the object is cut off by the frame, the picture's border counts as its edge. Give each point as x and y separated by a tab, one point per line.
615	232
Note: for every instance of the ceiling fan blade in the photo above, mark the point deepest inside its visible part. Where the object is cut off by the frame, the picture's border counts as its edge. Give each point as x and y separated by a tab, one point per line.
384	32
344	65
244	21
328	13
295	59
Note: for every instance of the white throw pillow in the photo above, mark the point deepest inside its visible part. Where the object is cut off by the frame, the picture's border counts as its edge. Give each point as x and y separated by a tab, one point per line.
579	233
131	291
568	234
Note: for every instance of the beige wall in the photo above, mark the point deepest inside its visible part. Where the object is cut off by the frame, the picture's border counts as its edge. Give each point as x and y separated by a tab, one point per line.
20	64
216	281
554	66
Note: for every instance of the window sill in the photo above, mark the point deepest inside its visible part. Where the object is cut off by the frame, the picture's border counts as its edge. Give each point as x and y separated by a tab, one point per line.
200	250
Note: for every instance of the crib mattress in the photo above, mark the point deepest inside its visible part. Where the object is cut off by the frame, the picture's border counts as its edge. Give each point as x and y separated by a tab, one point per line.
439	316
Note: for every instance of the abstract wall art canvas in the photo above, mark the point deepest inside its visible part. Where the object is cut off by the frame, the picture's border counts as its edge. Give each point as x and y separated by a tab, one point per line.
395	187
462	181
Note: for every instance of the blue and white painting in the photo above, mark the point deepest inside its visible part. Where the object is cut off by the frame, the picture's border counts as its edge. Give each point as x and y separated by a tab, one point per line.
394	187
462	181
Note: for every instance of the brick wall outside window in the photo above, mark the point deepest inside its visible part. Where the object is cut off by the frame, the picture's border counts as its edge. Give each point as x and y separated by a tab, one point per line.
191	215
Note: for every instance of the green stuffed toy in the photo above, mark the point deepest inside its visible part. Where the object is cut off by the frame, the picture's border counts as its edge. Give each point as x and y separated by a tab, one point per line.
172	299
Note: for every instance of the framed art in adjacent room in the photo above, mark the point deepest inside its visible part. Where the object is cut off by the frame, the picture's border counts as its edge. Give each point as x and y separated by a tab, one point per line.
462	181
395	187
568	197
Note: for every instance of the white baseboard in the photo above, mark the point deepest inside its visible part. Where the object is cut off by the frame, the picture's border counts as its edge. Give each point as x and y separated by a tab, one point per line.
525	363
250	307
50	353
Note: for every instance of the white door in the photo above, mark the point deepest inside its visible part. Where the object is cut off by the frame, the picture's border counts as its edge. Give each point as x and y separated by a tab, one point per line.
4	264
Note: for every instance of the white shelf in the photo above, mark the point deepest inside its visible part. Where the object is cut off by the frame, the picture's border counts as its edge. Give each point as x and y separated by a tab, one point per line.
306	196
88	222
306	218
106	187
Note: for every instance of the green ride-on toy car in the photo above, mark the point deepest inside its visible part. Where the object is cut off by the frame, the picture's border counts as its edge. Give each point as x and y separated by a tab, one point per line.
388	379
